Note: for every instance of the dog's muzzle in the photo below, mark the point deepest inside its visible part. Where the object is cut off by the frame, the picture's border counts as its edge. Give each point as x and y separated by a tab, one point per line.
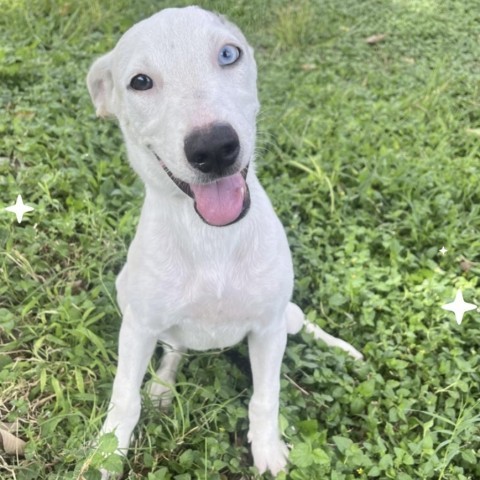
222	202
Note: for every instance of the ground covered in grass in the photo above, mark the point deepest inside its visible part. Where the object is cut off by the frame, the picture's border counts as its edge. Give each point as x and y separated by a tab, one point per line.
370	153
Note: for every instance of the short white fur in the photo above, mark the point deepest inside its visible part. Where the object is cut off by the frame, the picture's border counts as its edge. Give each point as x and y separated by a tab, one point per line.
186	283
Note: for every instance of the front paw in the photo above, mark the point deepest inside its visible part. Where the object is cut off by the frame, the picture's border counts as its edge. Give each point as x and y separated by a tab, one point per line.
270	455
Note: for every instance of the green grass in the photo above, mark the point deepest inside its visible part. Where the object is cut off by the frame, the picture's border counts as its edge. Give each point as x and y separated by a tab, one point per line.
370	154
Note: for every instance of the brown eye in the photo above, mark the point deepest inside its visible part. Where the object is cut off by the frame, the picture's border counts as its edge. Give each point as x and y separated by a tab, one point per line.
141	82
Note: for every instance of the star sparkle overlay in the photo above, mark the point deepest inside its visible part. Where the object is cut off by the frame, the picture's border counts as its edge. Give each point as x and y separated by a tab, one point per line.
443	251
459	307
19	209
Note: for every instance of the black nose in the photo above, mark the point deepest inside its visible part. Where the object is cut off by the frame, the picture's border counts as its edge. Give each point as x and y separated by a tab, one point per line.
212	149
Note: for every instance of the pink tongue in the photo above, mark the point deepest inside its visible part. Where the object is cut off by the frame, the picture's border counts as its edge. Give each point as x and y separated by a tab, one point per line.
221	202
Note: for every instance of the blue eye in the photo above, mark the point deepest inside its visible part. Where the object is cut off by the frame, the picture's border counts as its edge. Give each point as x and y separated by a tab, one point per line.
228	55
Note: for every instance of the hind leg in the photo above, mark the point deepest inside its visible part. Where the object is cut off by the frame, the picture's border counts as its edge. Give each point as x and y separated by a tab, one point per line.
161	387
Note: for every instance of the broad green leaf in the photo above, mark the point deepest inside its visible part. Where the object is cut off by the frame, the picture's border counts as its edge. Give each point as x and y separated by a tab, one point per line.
342	443
301	455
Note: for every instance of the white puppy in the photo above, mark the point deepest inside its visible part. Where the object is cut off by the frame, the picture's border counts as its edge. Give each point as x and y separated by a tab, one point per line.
209	264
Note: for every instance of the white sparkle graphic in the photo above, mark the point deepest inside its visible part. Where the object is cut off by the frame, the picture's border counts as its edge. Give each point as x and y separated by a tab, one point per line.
459	307
443	250
19	209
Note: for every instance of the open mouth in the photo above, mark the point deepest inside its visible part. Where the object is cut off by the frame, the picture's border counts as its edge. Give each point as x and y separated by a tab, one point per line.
218	203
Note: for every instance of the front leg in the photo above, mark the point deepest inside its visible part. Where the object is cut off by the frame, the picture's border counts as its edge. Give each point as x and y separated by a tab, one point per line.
135	348
266	351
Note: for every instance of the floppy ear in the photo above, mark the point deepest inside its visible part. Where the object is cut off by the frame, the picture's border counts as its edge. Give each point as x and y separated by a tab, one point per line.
100	85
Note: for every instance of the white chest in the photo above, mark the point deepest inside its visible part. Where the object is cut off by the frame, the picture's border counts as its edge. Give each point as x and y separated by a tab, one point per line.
207	288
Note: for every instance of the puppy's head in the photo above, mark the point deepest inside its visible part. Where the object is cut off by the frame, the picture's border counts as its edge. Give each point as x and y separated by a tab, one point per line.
182	85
